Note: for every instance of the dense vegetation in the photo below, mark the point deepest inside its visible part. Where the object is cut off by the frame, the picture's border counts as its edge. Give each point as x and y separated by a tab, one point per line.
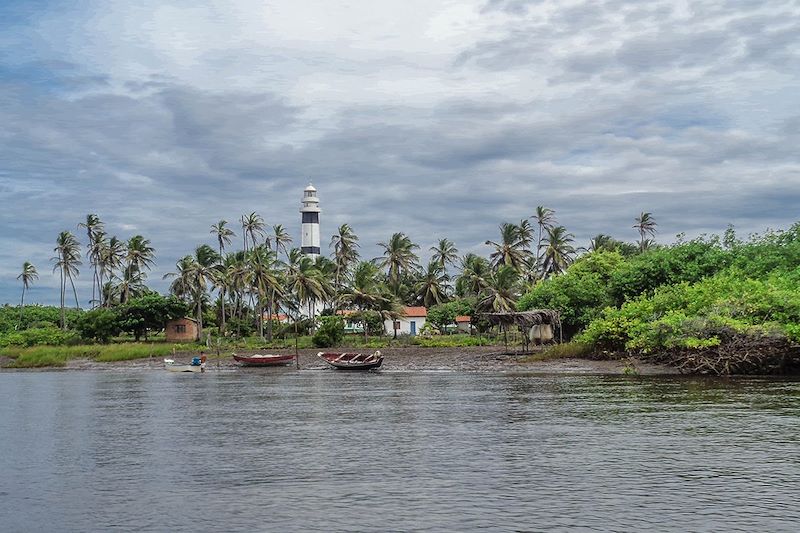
706	305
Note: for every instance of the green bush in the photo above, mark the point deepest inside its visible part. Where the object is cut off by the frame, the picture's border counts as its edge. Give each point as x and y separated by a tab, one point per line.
330	332
99	324
580	294
443	315
34	316
39	336
683	262
692	315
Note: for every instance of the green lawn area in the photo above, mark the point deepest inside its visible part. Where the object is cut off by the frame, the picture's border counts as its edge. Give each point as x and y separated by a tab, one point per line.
56	356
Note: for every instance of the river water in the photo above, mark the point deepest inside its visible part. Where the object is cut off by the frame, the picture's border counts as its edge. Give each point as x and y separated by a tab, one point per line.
396	451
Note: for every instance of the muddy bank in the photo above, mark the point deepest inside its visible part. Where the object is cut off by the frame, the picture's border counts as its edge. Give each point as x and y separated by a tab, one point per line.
469	359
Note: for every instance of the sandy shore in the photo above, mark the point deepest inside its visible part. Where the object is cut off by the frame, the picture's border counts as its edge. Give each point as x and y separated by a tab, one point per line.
471	359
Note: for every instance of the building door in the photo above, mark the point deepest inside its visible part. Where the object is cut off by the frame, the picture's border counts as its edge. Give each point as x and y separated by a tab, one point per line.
413	328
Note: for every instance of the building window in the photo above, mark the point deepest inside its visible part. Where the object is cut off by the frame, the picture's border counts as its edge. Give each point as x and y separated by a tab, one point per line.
310	218
180	328
396	324
309	194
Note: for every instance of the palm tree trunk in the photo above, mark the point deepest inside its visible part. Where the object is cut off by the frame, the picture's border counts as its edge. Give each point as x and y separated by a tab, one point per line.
199	318
63	289
260	319
222	295
94	285
21	306
74	292
270	308
539	248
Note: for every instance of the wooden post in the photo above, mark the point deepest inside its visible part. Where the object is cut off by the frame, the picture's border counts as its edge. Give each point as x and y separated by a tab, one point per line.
296	353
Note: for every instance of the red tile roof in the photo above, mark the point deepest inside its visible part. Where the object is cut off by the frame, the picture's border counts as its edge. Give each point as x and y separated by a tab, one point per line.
415	311
463	318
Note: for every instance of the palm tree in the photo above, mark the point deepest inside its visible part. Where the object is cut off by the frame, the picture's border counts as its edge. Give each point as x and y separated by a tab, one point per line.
558	250
545	219
282	239
499	294
431	286
365	289
139	255
305	281
237	274
130	285
444	253
646	225
252	225
264	278
366	292
206	271
345	253
28	276
97	244
111	254
224	235
601	241
192	277
399	258
511	250
95	235
526	233
475	270
67	260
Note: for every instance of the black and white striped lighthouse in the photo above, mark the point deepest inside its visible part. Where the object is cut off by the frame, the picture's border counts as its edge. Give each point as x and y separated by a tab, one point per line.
310	211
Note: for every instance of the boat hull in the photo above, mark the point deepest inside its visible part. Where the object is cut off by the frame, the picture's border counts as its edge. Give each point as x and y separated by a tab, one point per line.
185	368
264	360
356	361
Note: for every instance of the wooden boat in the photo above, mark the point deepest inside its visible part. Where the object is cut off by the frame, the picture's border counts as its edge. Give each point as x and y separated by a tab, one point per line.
170	365
264	359
352	361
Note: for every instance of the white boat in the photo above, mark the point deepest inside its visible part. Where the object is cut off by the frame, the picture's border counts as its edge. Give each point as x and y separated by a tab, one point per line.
170	365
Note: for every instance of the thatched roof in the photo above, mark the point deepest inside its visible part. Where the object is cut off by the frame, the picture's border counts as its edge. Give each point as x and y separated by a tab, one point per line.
526	319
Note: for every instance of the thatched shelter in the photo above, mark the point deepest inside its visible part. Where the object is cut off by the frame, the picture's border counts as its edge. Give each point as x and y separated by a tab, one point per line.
525	321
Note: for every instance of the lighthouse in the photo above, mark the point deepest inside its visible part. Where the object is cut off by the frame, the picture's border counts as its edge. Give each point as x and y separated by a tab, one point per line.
310	211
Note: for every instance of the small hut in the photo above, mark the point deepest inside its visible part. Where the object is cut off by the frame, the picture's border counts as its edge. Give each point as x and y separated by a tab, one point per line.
182	329
536	325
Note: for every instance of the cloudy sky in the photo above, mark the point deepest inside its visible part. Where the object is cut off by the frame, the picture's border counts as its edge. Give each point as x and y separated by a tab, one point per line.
432	117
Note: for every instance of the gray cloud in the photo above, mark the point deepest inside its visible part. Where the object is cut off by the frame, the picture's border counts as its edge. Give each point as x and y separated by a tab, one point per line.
599	110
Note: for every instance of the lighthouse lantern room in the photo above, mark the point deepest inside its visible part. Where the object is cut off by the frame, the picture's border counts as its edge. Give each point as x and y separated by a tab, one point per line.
310	211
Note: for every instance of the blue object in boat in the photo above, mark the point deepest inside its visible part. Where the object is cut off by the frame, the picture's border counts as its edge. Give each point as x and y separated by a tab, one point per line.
195	361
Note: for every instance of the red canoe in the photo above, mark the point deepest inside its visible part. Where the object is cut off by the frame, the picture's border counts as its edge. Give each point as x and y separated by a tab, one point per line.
264	359
352	361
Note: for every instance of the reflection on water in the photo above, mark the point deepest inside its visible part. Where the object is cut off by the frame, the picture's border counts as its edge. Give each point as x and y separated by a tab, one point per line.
298	451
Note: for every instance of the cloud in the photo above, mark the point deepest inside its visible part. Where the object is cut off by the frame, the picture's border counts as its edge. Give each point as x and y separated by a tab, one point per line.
439	119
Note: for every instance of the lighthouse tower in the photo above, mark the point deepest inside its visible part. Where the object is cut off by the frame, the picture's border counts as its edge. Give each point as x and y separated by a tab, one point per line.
310	211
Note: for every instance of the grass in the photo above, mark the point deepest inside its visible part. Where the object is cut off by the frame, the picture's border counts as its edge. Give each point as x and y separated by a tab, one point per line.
57	356
568	350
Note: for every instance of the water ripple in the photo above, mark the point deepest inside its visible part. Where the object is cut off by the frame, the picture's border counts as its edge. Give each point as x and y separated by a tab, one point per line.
397	451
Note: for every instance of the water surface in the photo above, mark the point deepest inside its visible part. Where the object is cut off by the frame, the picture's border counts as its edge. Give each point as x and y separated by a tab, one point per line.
299	451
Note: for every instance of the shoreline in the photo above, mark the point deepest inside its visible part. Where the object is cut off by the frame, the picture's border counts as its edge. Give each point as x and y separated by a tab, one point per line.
404	359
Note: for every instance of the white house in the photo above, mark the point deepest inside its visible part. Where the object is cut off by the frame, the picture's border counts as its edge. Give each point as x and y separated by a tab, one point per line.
412	321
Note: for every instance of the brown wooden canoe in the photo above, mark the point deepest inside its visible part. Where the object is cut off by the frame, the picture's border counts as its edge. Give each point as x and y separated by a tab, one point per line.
264	359
352	361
